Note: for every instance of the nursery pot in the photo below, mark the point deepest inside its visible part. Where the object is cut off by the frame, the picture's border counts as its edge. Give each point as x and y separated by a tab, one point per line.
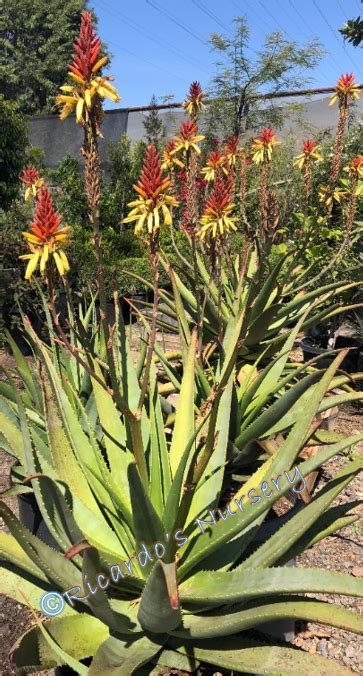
349	363
31	517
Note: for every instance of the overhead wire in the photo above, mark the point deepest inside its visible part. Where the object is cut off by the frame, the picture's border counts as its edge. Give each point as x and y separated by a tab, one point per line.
176	21
153	38
334	33
206	11
150	63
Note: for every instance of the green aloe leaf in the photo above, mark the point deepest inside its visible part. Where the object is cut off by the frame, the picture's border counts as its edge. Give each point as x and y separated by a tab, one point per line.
80	637
13	436
12	551
160	474
184	419
222	623
284	538
242	655
117	657
209	588
62	572
155	612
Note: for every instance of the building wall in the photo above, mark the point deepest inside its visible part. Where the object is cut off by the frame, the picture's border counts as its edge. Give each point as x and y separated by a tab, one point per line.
58	138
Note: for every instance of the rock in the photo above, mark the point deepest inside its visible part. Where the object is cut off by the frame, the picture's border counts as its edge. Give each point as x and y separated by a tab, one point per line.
357	571
323	647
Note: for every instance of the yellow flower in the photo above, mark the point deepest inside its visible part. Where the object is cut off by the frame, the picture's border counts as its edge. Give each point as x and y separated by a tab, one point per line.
263	146
327	196
355	167
47	238
32	181
170	160
188	138
309	154
153	197
194	104
215	162
346	87
217	219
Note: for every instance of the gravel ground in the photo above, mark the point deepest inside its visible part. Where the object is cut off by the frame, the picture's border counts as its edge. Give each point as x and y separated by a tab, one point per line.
343	552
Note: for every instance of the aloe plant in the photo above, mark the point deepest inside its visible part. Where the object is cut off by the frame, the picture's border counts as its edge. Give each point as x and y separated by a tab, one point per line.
273	302
110	480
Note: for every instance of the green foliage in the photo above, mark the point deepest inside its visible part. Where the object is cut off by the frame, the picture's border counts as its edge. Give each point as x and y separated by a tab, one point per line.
36	39
13	141
116	478
154	129
277	67
353	31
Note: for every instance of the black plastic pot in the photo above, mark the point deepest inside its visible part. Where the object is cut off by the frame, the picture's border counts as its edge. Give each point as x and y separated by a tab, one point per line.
349	363
31	517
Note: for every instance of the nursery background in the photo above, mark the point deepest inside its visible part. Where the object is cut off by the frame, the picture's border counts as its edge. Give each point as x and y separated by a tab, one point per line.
181	324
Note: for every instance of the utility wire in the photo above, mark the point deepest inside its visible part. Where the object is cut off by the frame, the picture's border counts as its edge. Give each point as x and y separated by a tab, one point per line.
301	17
334	33
215	18
150	63
211	15
174	19
342	9
154	38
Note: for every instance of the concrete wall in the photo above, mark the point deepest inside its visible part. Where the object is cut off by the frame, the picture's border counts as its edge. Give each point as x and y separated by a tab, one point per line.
58	138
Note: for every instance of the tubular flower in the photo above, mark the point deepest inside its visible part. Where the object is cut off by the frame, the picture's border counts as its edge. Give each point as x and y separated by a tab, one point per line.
327	196
355	167
33	182
170	160
231	151
153	197
194	102
346	88
308	155
87	87
215	162
216	219
47	238
188	138
262	146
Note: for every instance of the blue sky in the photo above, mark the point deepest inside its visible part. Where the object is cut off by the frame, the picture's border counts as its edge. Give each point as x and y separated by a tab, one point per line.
158	54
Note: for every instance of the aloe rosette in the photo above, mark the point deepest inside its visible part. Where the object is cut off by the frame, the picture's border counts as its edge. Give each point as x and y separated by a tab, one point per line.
109	483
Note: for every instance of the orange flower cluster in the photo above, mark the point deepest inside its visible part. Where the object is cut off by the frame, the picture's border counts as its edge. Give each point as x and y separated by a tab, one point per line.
47	237
346	88
262	146
217	219
152	189
32	181
88	88
194	103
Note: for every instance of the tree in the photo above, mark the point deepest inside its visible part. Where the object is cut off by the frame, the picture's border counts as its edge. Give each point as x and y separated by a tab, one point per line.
35	41
13	140
353	31
277	66
154	128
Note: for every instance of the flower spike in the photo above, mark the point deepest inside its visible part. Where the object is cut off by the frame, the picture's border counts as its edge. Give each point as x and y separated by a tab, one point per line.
216	161
346	89
188	138
47	237
263	146
87	88
152	196
33	182
217	219
310	154
194	102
